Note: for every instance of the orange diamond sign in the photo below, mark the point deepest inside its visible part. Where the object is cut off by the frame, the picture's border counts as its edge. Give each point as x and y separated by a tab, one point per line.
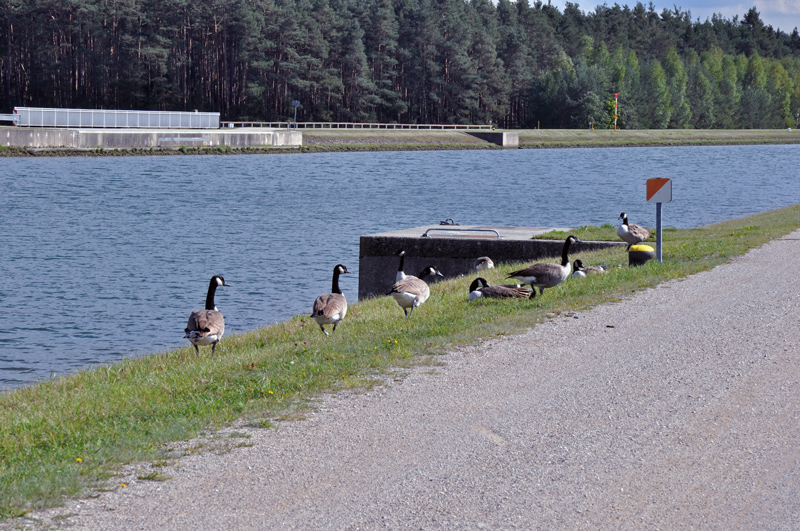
659	190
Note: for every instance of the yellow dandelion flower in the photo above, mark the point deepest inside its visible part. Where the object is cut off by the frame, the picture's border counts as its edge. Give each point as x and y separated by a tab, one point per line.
124	484
270	392
78	459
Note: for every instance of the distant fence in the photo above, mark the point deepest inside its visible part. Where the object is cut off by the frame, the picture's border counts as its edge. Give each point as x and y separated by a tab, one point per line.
99	118
96	118
351	125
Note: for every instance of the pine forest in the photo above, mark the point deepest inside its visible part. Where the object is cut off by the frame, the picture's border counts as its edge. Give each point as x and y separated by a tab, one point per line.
515	64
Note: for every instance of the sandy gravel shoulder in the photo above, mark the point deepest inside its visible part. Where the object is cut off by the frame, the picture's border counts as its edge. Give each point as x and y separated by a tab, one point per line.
677	408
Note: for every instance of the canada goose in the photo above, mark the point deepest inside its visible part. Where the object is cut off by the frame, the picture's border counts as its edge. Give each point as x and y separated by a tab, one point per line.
413	291
484	262
480	289
580	271
547	275
205	327
630	232
400	274
330	308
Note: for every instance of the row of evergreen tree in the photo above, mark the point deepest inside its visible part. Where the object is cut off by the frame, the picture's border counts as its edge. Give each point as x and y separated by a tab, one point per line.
517	64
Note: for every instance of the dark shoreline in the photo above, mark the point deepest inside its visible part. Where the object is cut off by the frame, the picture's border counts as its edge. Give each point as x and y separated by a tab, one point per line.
342	141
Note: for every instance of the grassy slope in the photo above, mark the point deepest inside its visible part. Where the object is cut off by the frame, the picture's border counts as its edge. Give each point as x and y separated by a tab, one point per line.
633	137
368	140
64	436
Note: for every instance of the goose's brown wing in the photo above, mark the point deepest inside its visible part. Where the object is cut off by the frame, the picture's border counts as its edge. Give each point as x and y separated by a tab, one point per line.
410	284
205	322
505	292
329	304
639	232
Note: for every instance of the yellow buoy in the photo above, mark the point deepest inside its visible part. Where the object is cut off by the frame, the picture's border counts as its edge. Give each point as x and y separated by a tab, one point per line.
639	254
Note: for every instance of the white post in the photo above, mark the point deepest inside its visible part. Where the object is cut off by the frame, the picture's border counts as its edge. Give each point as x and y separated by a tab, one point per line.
658	232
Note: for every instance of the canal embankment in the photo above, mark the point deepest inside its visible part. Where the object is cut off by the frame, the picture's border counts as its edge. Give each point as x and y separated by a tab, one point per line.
673	406
74	434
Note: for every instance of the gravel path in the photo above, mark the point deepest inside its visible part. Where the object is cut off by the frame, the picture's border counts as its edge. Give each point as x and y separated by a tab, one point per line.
674	409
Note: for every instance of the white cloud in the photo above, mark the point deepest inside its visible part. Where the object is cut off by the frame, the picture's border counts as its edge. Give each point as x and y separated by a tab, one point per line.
780	14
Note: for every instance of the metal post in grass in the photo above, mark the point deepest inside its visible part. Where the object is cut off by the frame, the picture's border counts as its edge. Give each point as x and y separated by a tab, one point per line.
295	104
659	191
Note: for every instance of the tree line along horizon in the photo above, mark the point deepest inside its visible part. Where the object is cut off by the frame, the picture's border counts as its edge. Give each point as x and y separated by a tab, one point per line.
515	64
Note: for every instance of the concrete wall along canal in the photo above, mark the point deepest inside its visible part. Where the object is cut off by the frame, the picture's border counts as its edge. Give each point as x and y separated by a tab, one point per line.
452	250
136	138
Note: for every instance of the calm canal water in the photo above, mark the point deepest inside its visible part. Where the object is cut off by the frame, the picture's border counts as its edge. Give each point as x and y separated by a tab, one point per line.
104	258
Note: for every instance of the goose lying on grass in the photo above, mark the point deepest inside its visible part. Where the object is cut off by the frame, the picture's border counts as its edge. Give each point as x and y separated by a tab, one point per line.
580	271
480	288
484	262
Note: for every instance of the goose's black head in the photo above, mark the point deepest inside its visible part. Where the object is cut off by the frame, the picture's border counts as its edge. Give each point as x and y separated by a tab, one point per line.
217	280
341	269
430	270
479	282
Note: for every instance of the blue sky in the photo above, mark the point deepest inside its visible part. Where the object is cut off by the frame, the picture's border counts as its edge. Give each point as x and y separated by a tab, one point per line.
783	14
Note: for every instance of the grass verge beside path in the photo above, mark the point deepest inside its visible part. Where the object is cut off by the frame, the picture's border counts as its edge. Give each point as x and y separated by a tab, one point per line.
69	435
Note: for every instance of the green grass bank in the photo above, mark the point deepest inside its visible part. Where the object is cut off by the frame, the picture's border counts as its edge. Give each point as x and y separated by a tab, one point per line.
72	434
322	140
349	140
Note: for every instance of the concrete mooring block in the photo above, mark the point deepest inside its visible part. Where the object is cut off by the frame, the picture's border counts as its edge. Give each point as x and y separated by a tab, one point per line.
505	140
453	250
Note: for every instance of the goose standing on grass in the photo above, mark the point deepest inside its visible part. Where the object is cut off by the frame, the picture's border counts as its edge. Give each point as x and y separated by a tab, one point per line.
547	275
481	289
580	271
413	291
330	308
205	327
484	262
400	274
630	232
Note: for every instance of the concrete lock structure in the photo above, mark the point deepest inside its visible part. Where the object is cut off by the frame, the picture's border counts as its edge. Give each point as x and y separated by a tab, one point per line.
113	129
453	250
142	138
